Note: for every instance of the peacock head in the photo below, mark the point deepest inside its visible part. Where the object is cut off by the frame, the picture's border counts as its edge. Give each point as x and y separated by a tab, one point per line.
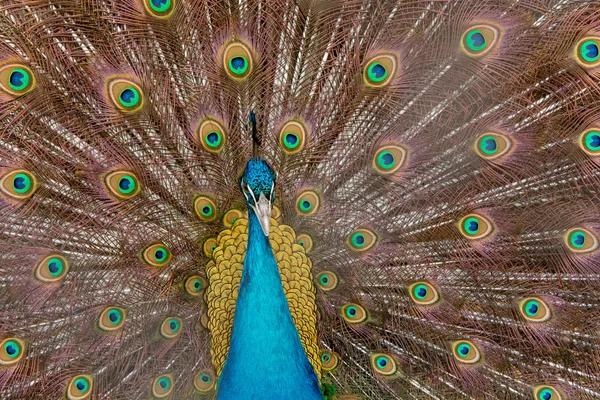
258	186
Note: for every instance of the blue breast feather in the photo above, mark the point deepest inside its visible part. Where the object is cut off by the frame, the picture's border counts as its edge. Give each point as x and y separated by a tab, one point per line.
266	359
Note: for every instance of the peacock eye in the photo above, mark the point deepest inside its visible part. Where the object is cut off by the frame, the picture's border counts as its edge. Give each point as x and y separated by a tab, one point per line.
307	203
587	52
474	226
383	364
171	327
122	184
209	246
194	285
424	294
466	352
159	8
492	145
361	240
327	280
125	94
205	208
581	240
231	216
292	136
203	381
380	70
237	60
354	313
162	386
546	393
211	135
389	159
111	319
329	360
80	387
157	255
11	351
52	268
305	241
16	79
590	142
478	40
534	309
19	184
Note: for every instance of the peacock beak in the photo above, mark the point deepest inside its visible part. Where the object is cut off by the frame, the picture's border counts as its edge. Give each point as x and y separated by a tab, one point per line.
263	208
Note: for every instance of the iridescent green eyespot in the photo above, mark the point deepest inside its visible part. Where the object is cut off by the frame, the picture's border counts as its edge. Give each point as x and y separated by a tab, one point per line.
546	392
589	141
205	208
479	40
121	184
361	240
587	52
466	352
18	184
157	255
475	226
379	70
423	293
534	309
354	313
159	8
237	60
329	360
492	145
327	280
16	79
162	386
292	136
203	381
581	240
171	327
111	319
80	387
383	364
51	268
12	351
125	94
307	203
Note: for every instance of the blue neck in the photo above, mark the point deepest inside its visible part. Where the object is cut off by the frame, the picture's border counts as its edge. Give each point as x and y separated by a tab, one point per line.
266	359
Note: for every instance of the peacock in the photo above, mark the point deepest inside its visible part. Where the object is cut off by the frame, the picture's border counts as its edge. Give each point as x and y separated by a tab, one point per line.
300	199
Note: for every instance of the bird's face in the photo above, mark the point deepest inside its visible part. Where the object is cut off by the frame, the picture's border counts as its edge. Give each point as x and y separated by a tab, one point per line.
258	186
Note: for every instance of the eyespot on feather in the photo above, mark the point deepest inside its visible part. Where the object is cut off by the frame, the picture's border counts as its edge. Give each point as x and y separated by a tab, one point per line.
157	255
292	137
546	392
389	159
171	327
204	381
329	360
205	208
194	285
51	268
423	294
231	216
383	364
209	246
112	318
80	387
475	226
12	351
19	184
354	313
534	309
237	60
379	70
589	141
305	241
162	386
587	52
126	95
159	8
479	40
307	203
16	79
361	240
464	351
580	240
492	145
327	280
211	135
122	184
